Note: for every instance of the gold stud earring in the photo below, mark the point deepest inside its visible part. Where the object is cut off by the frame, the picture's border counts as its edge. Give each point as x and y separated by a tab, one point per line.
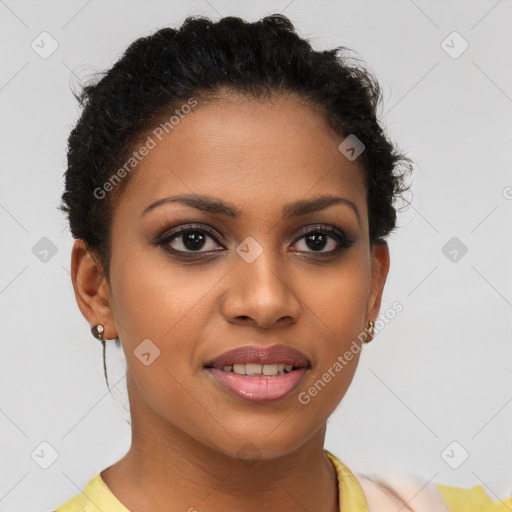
369	330
97	331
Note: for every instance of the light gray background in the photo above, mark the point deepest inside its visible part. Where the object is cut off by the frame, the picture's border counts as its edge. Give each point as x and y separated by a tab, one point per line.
437	373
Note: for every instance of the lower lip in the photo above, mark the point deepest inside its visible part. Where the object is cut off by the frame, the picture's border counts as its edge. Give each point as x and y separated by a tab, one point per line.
260	390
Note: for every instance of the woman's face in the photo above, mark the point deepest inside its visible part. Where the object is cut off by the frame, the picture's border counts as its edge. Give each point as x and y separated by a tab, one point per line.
257	278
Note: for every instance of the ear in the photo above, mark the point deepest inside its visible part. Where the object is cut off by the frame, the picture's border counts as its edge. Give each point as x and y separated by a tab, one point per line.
91	289
380	269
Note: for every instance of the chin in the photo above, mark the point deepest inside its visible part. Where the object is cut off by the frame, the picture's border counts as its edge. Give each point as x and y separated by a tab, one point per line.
258	446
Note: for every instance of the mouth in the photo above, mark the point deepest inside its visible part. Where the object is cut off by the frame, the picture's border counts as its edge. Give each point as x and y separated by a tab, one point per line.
259	374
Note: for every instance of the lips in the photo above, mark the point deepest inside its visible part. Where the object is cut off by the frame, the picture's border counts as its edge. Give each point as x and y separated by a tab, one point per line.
275	372
275	354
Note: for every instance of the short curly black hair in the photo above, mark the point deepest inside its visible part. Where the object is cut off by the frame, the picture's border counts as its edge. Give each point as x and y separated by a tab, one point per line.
202	58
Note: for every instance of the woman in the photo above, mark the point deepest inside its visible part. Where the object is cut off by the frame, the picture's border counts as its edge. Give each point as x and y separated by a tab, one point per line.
230	191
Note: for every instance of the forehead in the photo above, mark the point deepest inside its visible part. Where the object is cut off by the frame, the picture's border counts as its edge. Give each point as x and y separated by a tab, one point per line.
262	153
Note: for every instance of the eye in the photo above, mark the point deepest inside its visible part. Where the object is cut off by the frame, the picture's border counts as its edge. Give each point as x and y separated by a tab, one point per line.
193	239
318	238
189	239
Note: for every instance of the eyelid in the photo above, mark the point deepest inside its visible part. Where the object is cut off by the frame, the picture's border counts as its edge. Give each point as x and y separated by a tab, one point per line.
326	228
181	228
189	226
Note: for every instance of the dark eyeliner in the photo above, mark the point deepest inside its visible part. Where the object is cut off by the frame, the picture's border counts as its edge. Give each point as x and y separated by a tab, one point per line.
169	235
343	242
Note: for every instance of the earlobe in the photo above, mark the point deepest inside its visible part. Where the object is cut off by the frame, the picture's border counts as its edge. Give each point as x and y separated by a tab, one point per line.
380	269
91	288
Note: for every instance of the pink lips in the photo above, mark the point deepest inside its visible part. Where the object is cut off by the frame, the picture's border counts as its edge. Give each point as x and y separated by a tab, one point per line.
259	388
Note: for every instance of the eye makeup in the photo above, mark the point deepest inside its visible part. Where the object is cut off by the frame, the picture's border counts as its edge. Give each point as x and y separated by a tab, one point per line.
183	239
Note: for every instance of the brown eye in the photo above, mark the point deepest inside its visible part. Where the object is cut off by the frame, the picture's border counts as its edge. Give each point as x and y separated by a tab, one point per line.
318	238
189	239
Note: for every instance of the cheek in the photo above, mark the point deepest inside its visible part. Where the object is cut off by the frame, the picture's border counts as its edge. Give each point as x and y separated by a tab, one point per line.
162	315
159	319
154	301
337	308
339	299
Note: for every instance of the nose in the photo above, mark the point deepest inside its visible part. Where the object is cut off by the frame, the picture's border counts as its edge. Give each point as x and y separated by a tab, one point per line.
260	294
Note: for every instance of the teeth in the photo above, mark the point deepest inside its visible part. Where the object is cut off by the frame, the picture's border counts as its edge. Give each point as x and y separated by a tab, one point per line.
269	370
253	369
240	369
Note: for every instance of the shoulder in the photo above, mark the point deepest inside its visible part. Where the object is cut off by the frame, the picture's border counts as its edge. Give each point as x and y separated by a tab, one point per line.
95	497
83	501
414	494
75	504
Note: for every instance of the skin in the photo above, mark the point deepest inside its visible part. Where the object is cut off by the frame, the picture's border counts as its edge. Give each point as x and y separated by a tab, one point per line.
189	437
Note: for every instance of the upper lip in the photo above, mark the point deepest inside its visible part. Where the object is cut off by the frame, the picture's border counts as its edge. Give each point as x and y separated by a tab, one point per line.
260	355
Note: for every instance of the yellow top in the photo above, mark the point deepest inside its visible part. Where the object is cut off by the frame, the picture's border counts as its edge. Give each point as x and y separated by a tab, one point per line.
97	496
458	499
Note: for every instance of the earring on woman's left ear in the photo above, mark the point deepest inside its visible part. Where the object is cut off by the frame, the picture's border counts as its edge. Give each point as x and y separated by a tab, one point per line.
369	331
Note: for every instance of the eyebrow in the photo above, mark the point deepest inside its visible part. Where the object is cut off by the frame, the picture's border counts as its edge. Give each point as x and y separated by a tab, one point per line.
216	206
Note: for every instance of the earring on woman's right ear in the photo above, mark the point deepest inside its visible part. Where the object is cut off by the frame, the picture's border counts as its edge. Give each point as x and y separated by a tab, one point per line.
97	331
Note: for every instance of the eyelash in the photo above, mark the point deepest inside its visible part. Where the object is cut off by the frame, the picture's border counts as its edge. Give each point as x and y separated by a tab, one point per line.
165	239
